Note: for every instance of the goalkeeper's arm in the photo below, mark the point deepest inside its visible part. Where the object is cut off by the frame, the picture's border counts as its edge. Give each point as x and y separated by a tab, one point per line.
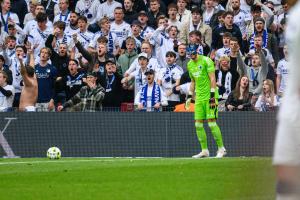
190	95
212	100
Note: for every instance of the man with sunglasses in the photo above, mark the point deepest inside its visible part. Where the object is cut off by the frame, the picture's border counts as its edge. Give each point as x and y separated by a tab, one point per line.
203	83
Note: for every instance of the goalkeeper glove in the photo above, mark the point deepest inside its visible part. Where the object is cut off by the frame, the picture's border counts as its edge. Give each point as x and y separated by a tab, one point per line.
188	102
212	100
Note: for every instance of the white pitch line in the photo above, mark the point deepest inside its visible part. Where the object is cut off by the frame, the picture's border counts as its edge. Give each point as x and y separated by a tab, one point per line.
54	161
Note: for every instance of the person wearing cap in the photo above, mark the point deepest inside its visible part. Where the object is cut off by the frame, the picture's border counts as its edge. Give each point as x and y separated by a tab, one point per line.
89	98
169	78
150	97
164	39
138	74
113	43
195	24
111	82
203	86
267	40
146	30
153	62
258	10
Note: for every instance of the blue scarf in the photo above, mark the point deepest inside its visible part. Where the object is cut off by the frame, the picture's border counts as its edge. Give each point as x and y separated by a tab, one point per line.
264	37
110	44
155	97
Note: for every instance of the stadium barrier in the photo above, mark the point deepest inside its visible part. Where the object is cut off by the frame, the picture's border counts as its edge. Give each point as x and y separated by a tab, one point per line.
131	134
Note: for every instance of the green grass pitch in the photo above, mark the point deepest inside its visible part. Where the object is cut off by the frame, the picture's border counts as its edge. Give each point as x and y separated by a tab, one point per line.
125	178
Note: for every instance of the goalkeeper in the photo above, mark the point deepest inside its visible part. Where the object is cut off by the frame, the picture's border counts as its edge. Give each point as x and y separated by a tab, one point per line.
202	72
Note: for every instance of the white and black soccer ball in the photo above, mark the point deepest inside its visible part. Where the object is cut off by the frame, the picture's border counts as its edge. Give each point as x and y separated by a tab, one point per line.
53	153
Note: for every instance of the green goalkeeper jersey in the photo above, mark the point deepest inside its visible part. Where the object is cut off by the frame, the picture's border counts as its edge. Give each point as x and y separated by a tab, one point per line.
198	71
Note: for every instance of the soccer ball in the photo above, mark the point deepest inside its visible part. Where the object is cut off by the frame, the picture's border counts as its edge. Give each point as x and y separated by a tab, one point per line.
53	153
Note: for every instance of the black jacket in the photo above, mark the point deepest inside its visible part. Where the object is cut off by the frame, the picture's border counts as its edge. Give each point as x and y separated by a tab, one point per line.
60	62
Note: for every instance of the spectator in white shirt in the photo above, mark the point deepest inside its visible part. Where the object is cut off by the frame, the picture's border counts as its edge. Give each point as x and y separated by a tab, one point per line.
183	15
85	8
7	93
119	26
64	13
7	16
107	9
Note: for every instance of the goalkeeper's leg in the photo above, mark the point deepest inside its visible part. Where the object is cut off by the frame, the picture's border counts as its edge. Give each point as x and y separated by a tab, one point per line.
202	139
216	132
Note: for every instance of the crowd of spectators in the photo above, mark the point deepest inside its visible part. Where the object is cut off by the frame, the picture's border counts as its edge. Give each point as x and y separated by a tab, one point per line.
92	55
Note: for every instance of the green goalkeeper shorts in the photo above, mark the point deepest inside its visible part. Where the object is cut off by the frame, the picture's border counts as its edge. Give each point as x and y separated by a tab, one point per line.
203	110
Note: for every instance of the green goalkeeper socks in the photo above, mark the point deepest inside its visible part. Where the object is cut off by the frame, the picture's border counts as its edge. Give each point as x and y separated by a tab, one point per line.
216	132
201	135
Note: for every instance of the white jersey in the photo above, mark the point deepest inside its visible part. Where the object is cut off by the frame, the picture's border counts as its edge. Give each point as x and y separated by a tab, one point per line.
6	102
107	9
283	72
32	24
207	16
85	38
163	44
121	30
16	74
69	31
4	20
241	20
224	51
147	32
63	17
287	142
176	23
65	39
153	64
185	17
112	44
38	38
140	79
86	8
168	77
137	99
